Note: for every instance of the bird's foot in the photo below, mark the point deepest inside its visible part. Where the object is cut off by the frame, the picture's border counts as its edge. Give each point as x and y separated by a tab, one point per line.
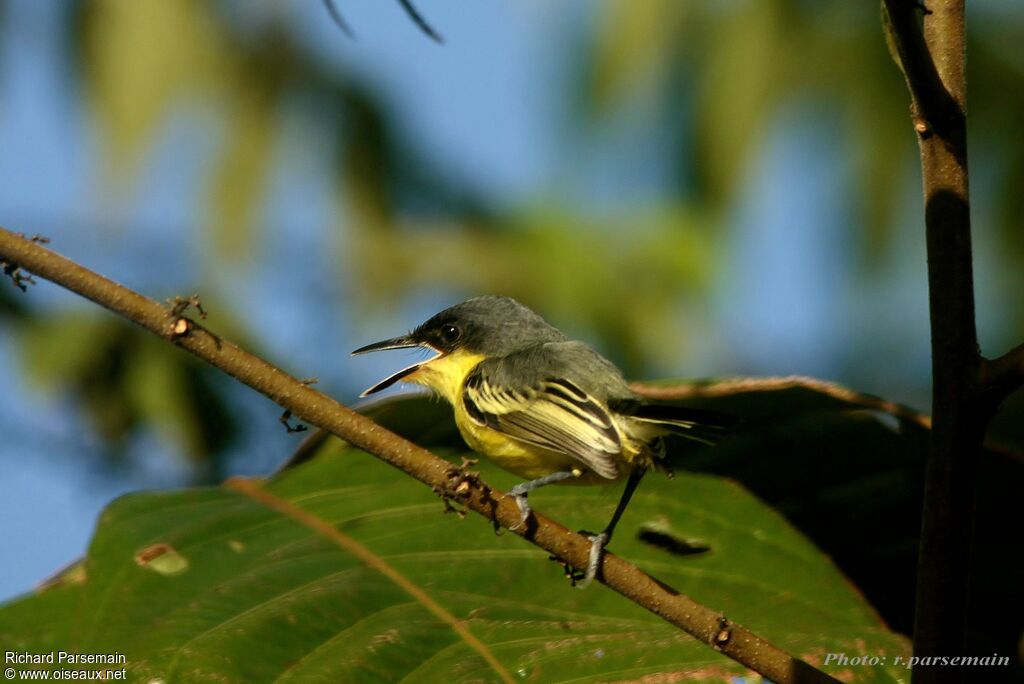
581	579
597	544
524	506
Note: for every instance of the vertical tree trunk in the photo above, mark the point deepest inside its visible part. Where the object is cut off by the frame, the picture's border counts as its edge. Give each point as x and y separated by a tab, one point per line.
958	422
933	62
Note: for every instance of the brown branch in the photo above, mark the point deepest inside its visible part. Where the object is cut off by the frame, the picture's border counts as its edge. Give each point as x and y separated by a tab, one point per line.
999	378
1003	376
935	110
833	390
933	63
707	625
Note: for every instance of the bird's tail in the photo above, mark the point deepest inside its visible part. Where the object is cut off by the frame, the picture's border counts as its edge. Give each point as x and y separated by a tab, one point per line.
696	424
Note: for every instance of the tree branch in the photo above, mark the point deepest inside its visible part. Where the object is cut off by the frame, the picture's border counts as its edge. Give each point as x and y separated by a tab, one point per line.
703	623
407	5
933	64
776	384
1003	376
935	109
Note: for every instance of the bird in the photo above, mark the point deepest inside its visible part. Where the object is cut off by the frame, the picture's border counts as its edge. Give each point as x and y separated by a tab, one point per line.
544	407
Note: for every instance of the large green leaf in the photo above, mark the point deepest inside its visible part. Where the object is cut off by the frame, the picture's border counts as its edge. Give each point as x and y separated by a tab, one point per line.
847	470
210	585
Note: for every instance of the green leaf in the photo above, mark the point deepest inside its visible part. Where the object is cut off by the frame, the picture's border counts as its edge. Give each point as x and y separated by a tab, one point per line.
252	595
847	470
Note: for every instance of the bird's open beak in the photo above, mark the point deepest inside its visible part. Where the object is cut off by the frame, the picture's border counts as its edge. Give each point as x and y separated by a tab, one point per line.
403	342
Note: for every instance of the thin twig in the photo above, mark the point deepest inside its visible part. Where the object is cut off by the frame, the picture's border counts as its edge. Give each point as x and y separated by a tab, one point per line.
407	5
418	19
1004	375
318	409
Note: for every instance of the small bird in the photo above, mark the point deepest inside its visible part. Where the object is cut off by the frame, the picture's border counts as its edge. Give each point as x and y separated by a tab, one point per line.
542	406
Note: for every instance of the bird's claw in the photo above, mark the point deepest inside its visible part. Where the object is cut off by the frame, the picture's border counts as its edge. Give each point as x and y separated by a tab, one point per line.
524	509
597	544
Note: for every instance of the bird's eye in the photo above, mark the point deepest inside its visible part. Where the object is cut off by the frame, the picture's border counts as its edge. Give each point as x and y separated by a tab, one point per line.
450	333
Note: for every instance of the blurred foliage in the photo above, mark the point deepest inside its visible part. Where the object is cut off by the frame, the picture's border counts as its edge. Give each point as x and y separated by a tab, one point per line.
10	306
140	61
743	66
124	377
722	73
744	63
737	68
582	272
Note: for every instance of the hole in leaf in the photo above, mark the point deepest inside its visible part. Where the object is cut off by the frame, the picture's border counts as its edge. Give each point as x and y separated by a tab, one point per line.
161	558
671	542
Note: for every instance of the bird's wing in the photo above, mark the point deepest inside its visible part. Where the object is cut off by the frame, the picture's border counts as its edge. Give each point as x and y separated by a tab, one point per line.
699	425
531	400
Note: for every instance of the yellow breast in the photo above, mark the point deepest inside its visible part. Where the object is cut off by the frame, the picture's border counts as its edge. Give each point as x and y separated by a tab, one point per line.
447	374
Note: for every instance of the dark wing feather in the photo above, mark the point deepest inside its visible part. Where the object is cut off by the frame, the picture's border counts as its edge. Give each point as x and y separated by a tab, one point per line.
697	424
552	413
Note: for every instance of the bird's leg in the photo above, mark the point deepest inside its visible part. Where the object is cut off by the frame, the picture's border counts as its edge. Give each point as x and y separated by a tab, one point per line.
599	541
521	490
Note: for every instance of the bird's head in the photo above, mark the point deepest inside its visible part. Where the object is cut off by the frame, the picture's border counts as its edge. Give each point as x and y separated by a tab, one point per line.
463	335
